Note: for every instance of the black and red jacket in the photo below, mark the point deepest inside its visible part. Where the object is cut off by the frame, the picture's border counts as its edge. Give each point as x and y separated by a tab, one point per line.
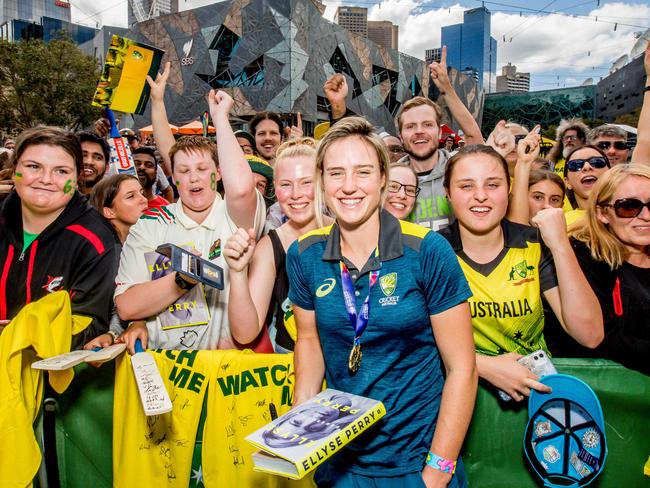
78	252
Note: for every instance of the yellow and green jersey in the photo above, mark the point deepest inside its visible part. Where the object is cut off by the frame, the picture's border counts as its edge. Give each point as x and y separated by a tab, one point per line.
506	303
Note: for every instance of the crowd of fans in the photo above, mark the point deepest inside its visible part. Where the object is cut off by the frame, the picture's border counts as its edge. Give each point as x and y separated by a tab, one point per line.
495	250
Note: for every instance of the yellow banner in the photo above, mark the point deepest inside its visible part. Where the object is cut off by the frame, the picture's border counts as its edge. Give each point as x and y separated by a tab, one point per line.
240	386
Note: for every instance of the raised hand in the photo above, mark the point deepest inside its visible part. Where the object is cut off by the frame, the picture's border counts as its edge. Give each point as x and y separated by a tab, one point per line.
439	73
528	148
102	127
501	139
336	88
552	226
239	249
220	104
336	91
294	131
158	86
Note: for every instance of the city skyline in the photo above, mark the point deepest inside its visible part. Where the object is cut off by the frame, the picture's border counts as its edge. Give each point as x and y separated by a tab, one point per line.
557	49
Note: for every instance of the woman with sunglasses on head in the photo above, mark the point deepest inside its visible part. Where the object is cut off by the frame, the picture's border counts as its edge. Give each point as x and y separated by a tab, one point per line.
510	267
582	168
258	279
613	248
402	190
120	200
378	303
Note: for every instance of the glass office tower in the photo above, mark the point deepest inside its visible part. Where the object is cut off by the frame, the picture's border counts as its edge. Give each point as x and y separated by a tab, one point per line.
33	10
470	48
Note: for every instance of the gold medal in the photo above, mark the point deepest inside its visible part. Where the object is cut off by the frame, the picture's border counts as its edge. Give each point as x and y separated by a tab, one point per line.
355	358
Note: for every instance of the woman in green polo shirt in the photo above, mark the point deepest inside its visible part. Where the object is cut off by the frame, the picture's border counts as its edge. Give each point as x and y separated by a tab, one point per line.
381	306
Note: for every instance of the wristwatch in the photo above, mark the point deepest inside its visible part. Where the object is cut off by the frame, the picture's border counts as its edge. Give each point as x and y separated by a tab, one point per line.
182	283
113	335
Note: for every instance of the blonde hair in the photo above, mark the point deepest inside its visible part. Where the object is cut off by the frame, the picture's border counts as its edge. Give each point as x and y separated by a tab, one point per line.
348	127
303	146
599	238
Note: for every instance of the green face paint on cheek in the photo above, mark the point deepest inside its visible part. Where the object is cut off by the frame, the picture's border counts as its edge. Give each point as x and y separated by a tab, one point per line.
213	181
178	184
69	187
19	176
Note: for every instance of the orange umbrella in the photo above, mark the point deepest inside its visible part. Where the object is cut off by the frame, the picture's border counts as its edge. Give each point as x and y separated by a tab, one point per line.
149	129
195	127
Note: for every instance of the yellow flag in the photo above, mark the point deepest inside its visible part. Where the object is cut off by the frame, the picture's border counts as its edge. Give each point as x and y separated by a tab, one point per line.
240	395
157	451
42	329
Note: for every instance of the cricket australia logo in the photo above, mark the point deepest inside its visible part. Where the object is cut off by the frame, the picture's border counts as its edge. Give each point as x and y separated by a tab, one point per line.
388	284
521	273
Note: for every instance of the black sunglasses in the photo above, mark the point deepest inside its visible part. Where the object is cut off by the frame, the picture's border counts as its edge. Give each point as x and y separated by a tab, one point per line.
618	145
627	208
395	149
410	190
519	138
594	161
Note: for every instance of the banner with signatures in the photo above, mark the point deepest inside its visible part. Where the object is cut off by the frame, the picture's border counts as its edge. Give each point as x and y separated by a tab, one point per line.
240	386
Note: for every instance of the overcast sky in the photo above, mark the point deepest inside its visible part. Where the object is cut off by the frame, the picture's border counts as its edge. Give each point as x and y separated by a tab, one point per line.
563	45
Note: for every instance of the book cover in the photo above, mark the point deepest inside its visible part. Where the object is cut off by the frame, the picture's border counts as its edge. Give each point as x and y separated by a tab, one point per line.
189	310
123	83
304	437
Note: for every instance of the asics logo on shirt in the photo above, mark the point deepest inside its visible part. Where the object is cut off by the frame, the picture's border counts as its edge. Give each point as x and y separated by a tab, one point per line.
326	287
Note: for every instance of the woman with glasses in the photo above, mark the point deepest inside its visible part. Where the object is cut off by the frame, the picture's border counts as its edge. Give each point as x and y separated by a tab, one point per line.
582	168
613	248
402	190
510	267
381	305
258	278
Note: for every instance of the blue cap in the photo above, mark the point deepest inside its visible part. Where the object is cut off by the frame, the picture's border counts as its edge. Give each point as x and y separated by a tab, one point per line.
565	436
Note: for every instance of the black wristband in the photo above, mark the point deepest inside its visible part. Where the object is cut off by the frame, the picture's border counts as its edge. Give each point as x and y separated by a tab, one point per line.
182	283
646	89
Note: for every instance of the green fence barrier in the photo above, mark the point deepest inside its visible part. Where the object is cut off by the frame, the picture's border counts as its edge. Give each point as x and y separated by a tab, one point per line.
493	452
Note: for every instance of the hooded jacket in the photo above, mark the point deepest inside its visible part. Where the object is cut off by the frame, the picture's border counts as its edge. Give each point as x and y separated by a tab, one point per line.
78	252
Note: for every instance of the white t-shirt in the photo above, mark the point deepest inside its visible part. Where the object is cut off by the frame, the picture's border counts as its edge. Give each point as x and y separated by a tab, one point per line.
171	225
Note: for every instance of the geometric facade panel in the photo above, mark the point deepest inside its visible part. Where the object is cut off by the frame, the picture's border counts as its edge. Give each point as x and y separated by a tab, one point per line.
276	55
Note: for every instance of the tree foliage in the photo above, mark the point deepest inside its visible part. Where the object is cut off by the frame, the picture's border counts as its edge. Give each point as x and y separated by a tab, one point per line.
46	83
631	119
